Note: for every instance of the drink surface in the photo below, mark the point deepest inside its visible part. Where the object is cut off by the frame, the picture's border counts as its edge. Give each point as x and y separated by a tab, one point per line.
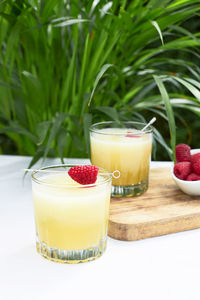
126	150
70	218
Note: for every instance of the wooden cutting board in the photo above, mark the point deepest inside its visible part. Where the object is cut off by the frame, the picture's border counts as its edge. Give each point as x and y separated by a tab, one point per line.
161	210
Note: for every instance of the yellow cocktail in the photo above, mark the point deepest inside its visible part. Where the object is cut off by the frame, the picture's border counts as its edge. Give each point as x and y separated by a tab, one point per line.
71	219
127	149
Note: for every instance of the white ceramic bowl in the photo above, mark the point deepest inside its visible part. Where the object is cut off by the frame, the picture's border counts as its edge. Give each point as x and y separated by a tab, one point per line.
188	187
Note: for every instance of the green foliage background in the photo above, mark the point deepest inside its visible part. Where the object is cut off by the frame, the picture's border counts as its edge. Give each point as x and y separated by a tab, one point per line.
130	60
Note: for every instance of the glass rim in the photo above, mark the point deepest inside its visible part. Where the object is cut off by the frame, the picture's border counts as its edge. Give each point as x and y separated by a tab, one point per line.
96	130
42	170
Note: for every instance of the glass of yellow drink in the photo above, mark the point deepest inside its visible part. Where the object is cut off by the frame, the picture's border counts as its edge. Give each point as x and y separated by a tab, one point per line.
71	219
125	147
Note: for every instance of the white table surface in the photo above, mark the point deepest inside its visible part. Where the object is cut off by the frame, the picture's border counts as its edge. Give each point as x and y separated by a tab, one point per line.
164	268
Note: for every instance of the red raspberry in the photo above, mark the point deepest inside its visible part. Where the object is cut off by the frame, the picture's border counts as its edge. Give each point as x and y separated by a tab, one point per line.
195	157
193	177
196	166
182	153
84	174
182	169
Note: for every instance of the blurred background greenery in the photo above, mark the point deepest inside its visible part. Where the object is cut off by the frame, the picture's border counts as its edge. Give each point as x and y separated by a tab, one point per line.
129	60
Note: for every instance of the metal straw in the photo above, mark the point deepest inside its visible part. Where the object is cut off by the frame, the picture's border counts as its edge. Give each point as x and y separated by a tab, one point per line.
54	171
151	122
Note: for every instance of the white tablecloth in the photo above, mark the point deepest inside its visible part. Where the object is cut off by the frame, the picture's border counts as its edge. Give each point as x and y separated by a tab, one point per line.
161	268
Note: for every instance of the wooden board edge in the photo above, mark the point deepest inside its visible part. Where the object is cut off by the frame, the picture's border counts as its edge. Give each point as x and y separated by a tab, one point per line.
134	232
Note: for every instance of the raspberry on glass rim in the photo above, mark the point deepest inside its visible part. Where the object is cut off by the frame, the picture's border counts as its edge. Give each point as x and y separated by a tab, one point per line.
84	174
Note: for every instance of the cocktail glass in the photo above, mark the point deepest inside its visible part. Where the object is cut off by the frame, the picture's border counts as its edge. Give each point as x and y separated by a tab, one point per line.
123	146
71	219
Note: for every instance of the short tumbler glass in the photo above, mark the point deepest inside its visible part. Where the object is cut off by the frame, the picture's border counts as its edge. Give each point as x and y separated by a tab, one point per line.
71	219
125	147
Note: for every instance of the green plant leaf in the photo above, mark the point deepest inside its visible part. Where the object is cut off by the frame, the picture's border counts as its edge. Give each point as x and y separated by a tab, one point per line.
39	153
62	141
109	111
104	10
15	127
42	130
87	122
70	22
161	141
169	112
56	125
76	140
190	87
99	76
155	24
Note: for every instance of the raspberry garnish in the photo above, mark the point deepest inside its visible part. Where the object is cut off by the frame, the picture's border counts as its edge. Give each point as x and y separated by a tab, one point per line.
84	174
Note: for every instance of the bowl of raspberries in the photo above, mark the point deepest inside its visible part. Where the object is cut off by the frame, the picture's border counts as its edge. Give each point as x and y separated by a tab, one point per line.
186	170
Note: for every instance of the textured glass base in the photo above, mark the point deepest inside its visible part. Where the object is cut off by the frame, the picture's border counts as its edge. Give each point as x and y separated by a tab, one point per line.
71	256
130	190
